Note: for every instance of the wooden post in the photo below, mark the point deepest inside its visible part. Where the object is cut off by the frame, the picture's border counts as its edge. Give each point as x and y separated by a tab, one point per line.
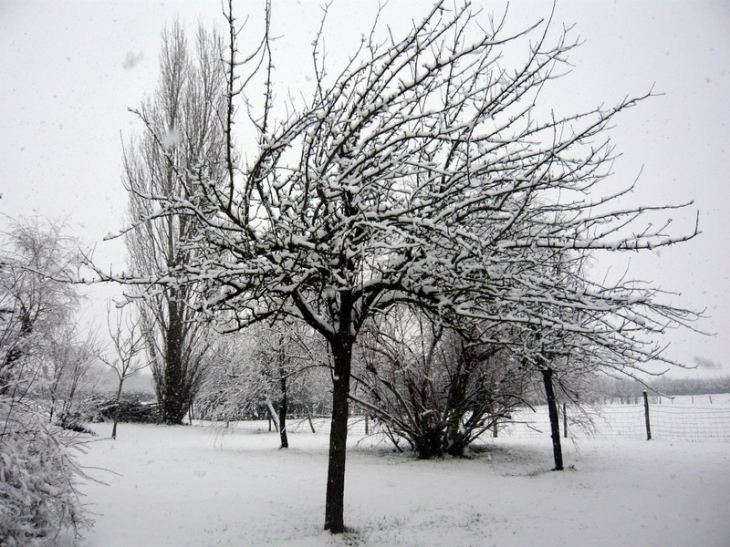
565	421
495	428
646	416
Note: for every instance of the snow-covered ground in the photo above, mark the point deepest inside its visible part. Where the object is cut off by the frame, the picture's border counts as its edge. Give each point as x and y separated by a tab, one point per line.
201	486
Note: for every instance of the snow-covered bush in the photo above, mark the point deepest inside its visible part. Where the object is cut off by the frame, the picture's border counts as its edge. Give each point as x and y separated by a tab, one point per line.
430	386
38	497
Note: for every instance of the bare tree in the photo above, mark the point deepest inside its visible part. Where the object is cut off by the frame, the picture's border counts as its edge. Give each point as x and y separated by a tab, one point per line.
36	254
265	369
65	360
286	354
128	341
233	384
184	135
422	173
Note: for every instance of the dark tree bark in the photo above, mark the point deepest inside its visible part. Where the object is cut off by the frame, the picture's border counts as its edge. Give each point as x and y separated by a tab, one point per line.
179	381
547	377
117	410
335	502
283	405
341	344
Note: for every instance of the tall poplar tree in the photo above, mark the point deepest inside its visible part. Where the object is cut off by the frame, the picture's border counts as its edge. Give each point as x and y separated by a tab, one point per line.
183	133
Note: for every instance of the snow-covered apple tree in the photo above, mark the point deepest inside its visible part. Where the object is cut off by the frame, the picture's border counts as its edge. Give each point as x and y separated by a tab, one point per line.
424	171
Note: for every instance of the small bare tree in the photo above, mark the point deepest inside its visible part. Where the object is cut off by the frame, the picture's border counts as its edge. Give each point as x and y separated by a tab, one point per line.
286	356
128	341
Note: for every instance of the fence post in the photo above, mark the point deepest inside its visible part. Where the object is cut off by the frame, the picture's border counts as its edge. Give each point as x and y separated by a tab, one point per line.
565	421
646	416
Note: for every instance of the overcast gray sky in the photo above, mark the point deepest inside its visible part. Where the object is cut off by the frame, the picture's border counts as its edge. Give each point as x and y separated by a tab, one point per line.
70	69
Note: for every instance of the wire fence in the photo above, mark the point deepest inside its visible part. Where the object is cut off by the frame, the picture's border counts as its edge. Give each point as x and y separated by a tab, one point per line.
681	418
700	421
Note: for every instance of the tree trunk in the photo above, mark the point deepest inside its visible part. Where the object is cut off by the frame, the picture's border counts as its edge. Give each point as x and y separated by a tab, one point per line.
335	503
647	420
173	409
283	408
117	409
547	377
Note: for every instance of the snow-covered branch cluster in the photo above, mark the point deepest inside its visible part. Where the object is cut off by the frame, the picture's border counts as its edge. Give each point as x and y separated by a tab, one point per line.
421	172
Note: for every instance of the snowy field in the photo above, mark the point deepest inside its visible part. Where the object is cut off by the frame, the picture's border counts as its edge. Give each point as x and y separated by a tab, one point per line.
202	486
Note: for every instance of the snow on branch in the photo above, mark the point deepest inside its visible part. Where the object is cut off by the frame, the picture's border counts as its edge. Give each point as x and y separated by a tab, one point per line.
423	171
